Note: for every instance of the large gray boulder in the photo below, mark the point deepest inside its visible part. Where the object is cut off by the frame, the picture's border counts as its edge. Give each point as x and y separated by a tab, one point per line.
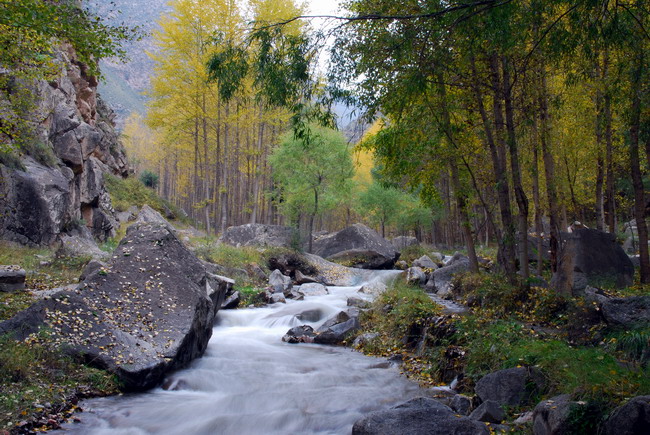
441	278
512	387
632	418
552	416
591	257
338	328
357	246
626	312
260	235
417	417
149	311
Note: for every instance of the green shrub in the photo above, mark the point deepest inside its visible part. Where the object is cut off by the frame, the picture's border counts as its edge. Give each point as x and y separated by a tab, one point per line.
149	179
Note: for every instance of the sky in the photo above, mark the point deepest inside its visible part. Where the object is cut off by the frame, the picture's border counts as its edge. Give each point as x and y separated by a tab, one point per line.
323	7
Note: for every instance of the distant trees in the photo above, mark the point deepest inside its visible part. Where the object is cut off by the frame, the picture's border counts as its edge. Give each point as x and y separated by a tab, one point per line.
313	174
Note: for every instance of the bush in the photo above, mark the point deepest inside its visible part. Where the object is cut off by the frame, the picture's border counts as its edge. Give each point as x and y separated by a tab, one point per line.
149	179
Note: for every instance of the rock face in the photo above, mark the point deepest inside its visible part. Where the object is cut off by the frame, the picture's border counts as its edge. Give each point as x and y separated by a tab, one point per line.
259	235
591	257
12	278
149	311
357	246
511	387
417	417
633	418
61	186
626	312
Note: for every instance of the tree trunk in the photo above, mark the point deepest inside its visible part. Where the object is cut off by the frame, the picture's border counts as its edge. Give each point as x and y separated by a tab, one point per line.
637	177
506	252
520	194
549	169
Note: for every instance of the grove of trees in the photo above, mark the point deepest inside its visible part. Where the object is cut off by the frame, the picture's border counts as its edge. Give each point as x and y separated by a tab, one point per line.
504	118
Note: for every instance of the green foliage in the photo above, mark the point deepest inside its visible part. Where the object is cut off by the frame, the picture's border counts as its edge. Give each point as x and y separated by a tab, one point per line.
392	315
149	179
33	374
634	344
127	192
313	174
227	255
380	204
31	28
589	372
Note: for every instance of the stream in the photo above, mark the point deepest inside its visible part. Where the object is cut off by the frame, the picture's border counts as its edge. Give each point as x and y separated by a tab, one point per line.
250	382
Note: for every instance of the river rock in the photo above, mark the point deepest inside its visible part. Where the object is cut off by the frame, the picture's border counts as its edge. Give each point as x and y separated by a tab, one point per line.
313	315
279	282
150	312
231	301
277	298
489	412
313	289
301	278
260	235
461	404
416	276
626	312
402	242
416	417
300	334
512	387
374	288
632	418
358	246
551	417
364	339
256	272
591	257
442	277
12	278
354	301
336	329
425	262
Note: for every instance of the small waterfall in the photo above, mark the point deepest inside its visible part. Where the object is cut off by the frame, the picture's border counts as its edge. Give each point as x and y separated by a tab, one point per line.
250	382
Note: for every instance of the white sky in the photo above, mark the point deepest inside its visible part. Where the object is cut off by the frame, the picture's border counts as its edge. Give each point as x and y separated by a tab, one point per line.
323	7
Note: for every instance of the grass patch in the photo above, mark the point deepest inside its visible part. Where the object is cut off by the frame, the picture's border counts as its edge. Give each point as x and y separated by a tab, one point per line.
34	376
130	192
210	250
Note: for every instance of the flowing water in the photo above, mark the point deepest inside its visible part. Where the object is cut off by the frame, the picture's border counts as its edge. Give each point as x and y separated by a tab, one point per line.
250	382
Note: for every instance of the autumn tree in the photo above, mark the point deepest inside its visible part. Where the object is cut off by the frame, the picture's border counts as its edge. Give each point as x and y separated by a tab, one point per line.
312	173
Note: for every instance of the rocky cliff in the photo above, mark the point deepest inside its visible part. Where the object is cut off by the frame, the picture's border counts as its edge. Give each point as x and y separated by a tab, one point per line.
42	200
